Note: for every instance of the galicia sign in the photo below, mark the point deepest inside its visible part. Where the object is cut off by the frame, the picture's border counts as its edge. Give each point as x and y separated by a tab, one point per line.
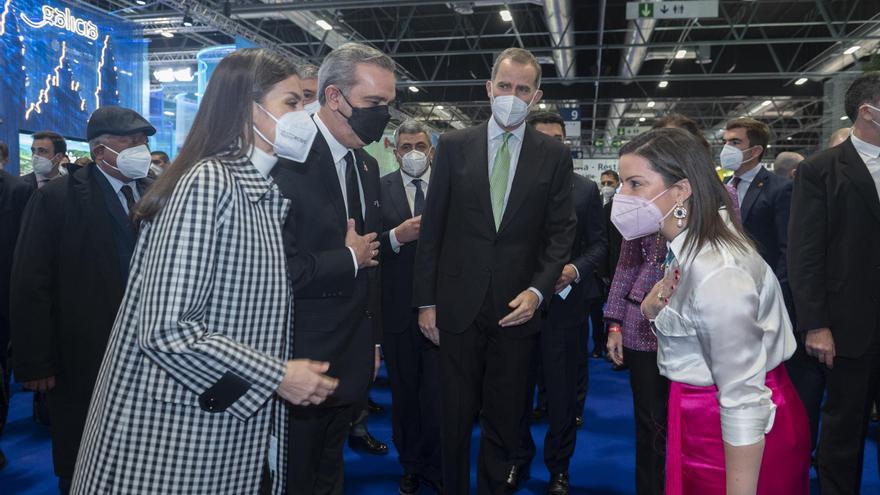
64	20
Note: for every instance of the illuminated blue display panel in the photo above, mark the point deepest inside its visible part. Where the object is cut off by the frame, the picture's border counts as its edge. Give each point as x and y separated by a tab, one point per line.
60	62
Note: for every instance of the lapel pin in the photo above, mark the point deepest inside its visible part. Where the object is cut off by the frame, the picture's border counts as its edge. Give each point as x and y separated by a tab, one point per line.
760	184
376	203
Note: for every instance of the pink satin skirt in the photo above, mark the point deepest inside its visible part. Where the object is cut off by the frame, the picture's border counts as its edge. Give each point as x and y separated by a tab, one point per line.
695	450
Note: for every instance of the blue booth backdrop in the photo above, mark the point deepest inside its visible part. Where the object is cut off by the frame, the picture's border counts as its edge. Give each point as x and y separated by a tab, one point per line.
61	62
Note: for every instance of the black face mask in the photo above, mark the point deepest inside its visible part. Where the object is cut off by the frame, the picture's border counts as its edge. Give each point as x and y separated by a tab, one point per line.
368	123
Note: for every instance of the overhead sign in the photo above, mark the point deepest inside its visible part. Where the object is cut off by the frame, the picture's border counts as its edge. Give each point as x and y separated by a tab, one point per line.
63	19
672	10
632	131
572	119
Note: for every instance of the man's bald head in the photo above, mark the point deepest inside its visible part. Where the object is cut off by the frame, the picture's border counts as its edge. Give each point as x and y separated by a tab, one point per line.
786	163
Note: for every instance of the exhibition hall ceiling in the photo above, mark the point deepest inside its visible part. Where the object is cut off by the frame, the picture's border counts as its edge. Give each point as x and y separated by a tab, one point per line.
769	59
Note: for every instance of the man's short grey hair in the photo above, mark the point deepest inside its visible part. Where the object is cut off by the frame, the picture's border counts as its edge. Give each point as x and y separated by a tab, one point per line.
97	141
411	126
786	162
519	56
338	68
307	71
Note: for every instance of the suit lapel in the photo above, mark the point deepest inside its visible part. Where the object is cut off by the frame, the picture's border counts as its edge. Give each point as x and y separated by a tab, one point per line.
476	152
320	157
398	195
752	194
97	217
527	168
371	209
857	172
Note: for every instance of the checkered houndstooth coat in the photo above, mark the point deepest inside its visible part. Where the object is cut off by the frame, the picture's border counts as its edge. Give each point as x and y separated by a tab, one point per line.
208	302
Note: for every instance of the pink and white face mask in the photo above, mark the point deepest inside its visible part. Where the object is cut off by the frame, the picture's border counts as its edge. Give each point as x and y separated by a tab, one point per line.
635	216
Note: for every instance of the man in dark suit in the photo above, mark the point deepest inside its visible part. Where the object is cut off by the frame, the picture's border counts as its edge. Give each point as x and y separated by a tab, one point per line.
69	274
14	195
564	329
497	229
834	265
764	197
331	246
48	149
412	360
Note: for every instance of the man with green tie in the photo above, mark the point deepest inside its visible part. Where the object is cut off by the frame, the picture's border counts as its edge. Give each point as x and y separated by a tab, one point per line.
496	231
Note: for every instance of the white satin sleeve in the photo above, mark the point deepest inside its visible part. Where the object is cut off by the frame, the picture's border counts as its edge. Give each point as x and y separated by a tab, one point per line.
732	342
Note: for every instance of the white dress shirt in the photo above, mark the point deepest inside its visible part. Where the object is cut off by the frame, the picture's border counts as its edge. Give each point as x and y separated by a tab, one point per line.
117	184
745	180
726	325
410	189
870	154
338	152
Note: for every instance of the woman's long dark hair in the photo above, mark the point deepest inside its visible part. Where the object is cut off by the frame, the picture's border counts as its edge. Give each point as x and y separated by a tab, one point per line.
224	122
676	155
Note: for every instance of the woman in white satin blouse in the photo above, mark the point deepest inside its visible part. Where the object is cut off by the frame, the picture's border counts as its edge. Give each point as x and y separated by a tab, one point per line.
736	424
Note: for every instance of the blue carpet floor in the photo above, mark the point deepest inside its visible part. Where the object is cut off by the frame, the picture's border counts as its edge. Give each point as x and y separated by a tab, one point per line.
603	464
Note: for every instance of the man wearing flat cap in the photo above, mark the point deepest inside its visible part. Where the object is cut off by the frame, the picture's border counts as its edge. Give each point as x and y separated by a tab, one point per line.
69	273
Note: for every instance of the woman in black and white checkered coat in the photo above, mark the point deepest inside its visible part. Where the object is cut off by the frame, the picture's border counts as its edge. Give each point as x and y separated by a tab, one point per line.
189	396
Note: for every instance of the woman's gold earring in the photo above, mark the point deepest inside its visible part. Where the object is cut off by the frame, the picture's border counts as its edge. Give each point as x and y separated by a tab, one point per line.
680	213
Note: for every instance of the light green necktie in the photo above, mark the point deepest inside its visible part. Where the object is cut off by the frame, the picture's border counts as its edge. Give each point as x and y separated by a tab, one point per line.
498	181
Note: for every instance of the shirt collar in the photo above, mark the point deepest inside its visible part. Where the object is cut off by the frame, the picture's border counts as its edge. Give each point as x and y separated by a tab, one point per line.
407	179
750	175
677	245
264	162
864	147
337	150
115	183
495	130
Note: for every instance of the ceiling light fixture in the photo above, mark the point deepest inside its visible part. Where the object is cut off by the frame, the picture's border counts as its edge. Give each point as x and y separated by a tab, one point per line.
167	34
183	75
844	117
681	54
800	81
140	2
166	112
506	16
651	104
766	103
542	106
414	89
642	119
851	50
663	84
324	24
164	75
439	107
187	19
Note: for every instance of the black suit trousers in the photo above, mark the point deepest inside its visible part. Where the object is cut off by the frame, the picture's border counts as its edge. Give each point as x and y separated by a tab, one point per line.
560	350
414	374
650	392
316	438
851	386
483	370
808	377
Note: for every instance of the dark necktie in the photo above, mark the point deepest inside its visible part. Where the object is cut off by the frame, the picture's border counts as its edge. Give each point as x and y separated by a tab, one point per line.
734	182
129	197
419	202
352	193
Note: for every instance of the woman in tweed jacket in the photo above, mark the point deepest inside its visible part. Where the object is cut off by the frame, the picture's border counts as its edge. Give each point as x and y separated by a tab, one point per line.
188	396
